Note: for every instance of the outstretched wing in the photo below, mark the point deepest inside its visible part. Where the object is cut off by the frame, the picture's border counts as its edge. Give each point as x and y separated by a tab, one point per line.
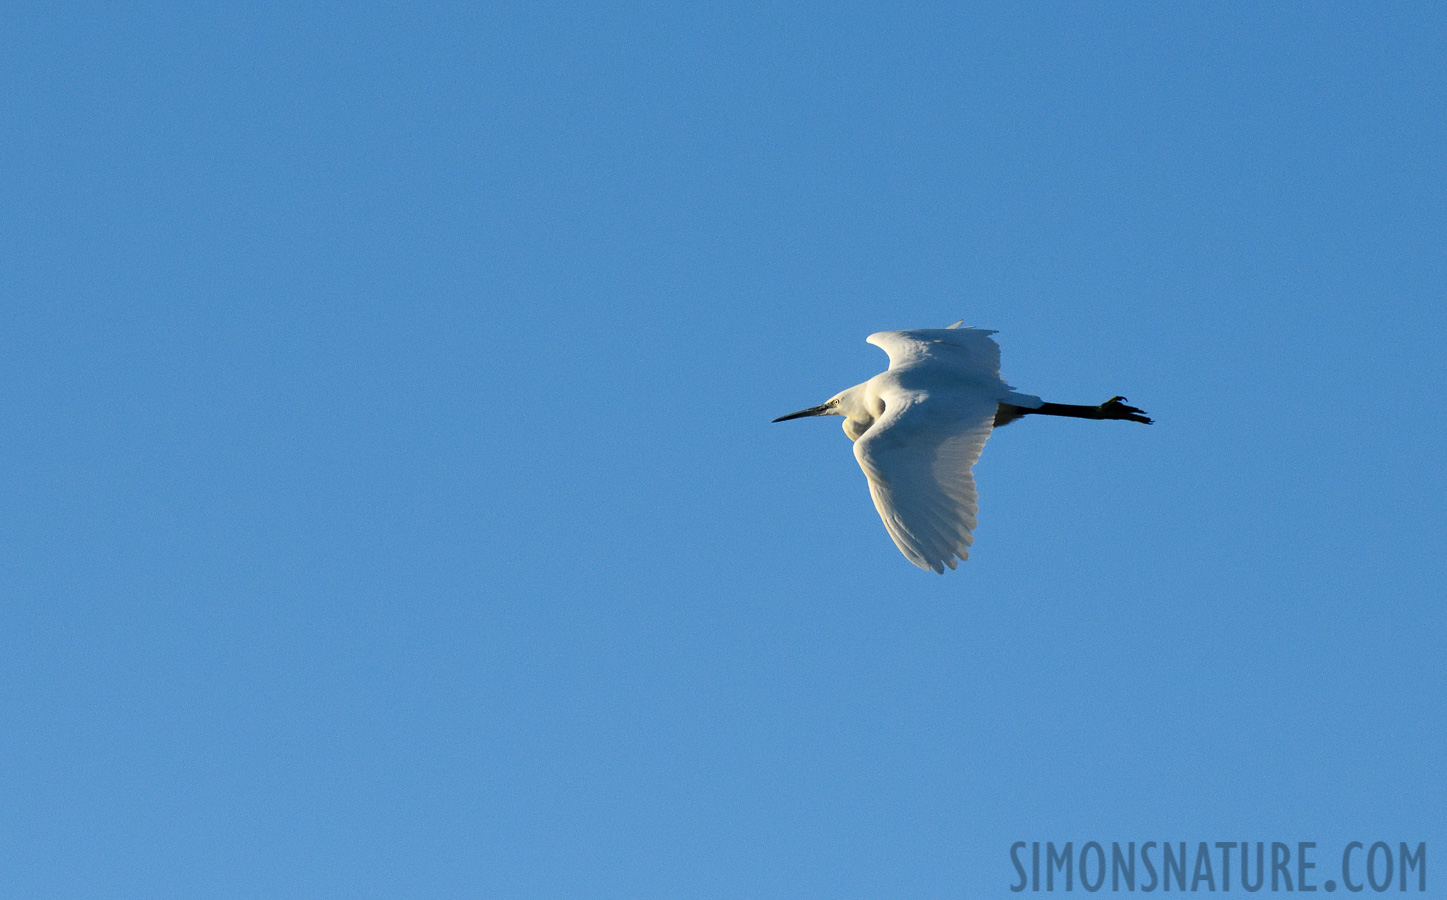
917	457
964	351
955	354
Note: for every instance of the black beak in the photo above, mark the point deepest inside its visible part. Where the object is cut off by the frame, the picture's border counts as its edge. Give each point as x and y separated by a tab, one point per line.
811	411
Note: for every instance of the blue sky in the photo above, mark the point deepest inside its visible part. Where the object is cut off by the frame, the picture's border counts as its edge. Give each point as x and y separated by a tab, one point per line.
391	508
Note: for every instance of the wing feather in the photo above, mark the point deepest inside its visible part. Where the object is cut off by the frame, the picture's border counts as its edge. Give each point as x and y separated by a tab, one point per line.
918	458
963	351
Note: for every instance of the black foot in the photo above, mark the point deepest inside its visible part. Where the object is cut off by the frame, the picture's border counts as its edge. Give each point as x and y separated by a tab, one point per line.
1115	408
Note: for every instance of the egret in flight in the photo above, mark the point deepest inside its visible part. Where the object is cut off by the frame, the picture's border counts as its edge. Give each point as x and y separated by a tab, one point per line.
919	426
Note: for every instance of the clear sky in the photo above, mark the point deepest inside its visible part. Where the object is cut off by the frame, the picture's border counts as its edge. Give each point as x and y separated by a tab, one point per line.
389	505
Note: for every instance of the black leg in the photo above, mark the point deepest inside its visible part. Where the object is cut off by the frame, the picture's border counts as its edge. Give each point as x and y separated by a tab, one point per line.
1114	408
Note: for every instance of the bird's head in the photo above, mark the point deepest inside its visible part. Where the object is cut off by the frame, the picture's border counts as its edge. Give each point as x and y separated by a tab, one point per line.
851	403
828	408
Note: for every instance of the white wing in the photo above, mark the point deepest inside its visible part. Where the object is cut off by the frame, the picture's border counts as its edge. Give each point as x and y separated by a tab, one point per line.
917	457
949	355
964	351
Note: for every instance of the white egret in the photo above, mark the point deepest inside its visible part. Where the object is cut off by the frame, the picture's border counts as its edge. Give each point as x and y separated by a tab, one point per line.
919	426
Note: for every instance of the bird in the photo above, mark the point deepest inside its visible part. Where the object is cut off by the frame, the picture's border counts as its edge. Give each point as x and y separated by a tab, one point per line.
919	426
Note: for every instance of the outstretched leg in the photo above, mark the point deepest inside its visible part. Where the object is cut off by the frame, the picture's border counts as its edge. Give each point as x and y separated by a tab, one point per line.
1114	408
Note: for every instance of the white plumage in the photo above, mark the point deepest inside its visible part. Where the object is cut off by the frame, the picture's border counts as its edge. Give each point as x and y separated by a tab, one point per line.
919	427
